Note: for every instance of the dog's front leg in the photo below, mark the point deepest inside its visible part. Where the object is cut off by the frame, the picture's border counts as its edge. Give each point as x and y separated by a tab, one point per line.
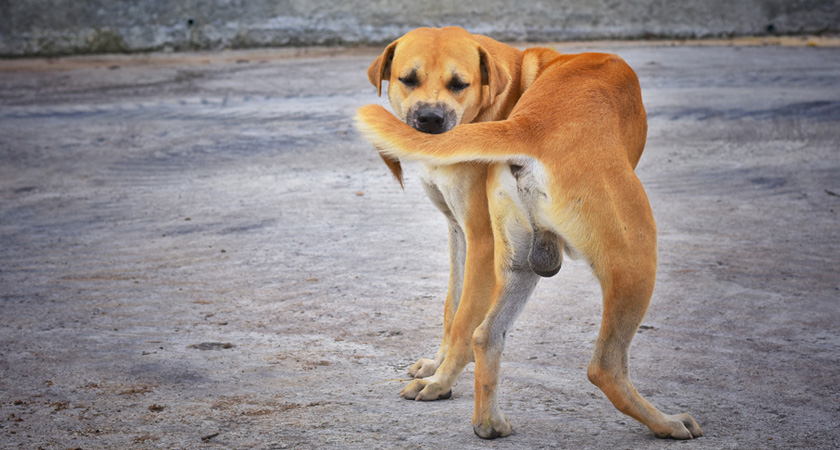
475	301
471	244
425	367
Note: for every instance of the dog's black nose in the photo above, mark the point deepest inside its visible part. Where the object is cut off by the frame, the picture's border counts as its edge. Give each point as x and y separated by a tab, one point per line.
430	121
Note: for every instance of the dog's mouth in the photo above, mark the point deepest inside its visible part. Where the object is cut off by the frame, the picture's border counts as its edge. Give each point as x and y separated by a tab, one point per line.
431	118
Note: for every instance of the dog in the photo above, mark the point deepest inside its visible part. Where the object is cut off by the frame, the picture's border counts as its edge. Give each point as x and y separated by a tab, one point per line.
559	179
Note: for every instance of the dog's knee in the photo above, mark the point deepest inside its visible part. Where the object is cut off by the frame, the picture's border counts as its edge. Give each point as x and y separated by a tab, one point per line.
546	255
485	341
480	339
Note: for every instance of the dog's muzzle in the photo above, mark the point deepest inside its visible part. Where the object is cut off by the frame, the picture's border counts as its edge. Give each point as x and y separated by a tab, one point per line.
432	119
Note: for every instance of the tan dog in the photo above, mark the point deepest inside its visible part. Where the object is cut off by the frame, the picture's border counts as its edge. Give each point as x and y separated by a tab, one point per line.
560	177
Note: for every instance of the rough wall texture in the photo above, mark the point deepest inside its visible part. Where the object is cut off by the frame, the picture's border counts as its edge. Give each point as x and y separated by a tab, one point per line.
54	27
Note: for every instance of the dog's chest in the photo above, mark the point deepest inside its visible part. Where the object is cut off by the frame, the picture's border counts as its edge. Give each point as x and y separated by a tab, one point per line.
448	187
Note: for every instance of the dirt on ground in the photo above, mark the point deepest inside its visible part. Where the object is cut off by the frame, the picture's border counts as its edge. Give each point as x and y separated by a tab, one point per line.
203	253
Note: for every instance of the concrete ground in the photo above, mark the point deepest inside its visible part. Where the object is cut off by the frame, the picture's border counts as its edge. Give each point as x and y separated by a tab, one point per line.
198	251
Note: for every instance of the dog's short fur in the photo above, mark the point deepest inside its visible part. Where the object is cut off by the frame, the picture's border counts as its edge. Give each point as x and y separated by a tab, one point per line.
542	164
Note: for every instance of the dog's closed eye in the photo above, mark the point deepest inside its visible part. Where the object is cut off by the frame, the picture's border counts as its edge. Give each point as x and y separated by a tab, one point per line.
410	80
456	84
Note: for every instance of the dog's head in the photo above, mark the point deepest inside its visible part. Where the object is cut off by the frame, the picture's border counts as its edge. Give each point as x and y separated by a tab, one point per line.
438	78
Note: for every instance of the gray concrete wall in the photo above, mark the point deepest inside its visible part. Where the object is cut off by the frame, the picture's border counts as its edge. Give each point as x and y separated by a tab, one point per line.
54	27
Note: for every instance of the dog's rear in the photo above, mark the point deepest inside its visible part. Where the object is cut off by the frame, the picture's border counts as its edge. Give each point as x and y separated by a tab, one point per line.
562	176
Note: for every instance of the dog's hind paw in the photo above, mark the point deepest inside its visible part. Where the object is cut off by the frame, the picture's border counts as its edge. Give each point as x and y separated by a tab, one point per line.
680	426
492	429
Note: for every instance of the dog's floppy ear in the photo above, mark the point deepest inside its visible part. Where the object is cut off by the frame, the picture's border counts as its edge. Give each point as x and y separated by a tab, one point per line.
492	74
381	68
378	71
395	167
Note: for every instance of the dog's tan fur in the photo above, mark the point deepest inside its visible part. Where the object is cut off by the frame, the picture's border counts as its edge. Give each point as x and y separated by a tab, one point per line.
549	169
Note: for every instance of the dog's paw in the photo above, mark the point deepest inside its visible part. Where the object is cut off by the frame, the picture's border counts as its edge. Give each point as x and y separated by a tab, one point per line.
492	427
425	390
679	426
423	368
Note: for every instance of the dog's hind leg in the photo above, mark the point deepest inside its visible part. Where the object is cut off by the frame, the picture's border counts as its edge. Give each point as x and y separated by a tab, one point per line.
627	291
512	293
515	281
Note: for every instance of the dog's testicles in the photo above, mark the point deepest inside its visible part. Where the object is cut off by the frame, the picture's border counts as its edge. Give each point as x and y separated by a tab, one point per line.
546	254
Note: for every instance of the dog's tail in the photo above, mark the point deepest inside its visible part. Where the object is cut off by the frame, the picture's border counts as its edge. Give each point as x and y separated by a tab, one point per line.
485	141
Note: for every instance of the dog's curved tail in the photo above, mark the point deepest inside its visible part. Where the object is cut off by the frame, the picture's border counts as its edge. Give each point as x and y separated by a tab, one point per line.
484	141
